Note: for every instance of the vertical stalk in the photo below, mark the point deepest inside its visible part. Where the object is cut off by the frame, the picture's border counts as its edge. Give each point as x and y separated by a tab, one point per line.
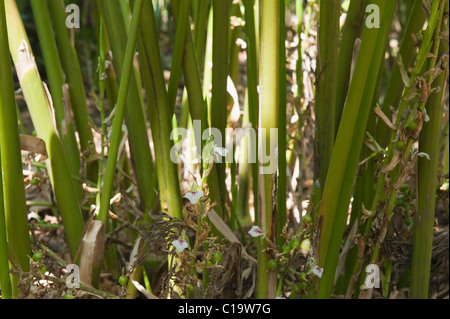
74	77
134	112
5	280
351	30
116	131
427	170
153	78
181	15
282	180
344	161
55	76
13	211
252	87
269	113
41	113
326	87
220	59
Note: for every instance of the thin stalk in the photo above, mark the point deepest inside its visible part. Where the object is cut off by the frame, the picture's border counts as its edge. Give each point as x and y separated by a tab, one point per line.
42	115
200	28
134	112
299	66
350	32
74	77
269	113
5	280
6	97
15	210
326	87
55	76
218	107
182	23
344	161
252	87
421	57
119	114
282	179
427	170
153	78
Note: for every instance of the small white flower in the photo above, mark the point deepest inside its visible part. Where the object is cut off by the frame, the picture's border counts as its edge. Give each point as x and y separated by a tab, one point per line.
180	245
255	231
194	197
318	271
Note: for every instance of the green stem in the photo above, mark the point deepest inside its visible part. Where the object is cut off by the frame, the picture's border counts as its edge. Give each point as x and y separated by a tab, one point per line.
119	115
134	112
5	280
41	114
182	23
326	87
252	87
350	32
218	108
269	110
344	161
74	77
160	119
55	76
427	170
15	210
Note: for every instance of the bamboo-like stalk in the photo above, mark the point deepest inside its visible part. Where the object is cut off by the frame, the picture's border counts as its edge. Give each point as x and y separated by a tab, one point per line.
134	112
201	15
55	76
269	113
421	57
13	218
74	77
13	185
299	65
127	72
182	20
252	87
41	113
326	77
344	161
350	32
154	84
427	170
5	280
218	107
282	180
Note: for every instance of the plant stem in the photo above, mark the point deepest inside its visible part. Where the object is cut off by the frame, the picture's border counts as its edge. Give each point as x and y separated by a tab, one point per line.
13	198
119	115
344	161
41	113
218	113
269	112
350	32
5	280
74	77
134	112
427	170
154	84
326	77
55	75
